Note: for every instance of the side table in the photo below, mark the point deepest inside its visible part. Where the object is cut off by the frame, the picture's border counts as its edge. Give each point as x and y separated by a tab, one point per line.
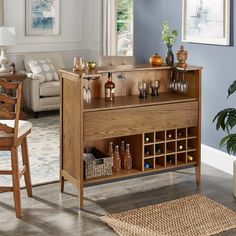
16	77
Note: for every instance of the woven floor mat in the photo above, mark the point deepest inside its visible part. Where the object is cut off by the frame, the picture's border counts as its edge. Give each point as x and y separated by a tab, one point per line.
195	215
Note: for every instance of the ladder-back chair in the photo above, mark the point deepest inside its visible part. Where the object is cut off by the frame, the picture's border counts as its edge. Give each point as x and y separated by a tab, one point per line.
13	133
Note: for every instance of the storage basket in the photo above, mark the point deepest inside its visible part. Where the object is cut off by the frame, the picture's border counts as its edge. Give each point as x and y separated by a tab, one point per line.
99	167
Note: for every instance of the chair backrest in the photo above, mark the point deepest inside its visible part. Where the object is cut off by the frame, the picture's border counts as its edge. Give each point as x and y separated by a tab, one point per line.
7	101
56	58
116	60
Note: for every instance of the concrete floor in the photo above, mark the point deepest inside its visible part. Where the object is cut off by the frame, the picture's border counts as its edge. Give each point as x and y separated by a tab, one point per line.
53	213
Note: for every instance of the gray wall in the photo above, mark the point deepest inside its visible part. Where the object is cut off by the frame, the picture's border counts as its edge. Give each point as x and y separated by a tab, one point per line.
219	62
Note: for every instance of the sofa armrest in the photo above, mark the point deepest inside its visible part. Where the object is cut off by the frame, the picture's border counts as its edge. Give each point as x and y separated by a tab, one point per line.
31	93
33	76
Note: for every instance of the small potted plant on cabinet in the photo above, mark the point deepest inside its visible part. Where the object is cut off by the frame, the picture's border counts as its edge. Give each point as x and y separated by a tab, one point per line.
226	120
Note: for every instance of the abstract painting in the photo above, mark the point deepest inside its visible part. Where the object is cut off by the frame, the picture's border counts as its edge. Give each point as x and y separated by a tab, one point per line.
206	21
42	17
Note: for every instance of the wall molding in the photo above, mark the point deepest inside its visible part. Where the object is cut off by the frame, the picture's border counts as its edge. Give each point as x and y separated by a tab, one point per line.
217	159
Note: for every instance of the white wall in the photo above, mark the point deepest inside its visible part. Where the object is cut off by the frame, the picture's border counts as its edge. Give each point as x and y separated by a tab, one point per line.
1	12
80	31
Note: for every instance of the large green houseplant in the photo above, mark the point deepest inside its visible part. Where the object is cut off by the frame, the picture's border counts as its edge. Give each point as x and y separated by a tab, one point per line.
226	120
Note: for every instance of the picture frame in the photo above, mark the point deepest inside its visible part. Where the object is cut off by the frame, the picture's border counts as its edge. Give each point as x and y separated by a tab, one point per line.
42	17
206	21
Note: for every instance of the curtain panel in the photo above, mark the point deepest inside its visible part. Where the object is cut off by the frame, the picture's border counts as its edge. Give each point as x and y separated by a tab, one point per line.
109	28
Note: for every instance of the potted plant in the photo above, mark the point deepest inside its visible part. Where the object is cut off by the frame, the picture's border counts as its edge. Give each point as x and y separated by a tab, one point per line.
226	120
168	36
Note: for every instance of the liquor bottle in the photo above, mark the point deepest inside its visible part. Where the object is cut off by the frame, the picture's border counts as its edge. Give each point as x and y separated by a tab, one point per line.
122	153
127	158
116	160
109	89
189	158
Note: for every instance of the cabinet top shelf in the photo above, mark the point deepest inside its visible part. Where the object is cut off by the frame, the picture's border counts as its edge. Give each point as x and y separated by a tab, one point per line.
121	68
134	101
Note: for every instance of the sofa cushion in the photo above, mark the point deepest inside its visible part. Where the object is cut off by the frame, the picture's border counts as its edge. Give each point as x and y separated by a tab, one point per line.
49	89
24	127
44	69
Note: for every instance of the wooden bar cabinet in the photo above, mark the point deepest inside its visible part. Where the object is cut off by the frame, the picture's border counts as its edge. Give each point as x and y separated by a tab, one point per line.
171	120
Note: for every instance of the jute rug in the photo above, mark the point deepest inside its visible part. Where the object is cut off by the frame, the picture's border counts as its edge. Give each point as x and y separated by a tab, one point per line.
195	215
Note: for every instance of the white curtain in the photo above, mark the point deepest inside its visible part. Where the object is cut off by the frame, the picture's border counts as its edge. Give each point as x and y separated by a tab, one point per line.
109	28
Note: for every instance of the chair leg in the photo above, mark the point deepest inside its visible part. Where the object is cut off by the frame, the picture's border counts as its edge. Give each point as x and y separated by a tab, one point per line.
16	181
25	159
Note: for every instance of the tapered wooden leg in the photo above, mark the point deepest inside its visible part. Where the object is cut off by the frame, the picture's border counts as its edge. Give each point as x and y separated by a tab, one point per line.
25	158
62	181
81	196
16	181
198	175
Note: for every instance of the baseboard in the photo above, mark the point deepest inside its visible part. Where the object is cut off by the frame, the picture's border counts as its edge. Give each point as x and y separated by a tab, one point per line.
217	159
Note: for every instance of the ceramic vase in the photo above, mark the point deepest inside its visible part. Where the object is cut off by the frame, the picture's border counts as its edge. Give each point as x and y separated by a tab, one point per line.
169	56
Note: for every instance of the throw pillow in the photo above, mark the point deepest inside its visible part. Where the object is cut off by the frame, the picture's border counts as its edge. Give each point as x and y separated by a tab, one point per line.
44	69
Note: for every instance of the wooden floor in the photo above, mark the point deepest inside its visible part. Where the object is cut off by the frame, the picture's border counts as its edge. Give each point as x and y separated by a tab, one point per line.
52	213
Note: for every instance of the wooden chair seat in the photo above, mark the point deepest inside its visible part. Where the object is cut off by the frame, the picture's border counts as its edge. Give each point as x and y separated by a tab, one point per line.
23	128
13	133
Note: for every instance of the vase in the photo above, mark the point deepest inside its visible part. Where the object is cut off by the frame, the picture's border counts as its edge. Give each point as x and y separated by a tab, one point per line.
169	56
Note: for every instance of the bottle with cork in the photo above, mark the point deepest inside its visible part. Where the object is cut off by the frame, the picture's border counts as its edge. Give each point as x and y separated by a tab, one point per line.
127	158
116	160
122	153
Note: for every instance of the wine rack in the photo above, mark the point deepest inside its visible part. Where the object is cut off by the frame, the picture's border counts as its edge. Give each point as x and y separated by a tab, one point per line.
169	148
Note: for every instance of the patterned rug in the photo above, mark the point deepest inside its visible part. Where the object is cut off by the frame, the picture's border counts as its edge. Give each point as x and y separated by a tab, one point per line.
195	215
43	145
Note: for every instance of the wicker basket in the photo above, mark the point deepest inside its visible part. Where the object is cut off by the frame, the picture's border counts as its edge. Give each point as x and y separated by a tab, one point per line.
98	167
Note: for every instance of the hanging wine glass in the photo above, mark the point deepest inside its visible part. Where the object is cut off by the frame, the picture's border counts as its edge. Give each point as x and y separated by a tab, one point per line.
171	81
89	96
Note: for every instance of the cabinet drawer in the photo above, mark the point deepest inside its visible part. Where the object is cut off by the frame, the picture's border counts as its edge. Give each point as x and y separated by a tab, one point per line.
130	121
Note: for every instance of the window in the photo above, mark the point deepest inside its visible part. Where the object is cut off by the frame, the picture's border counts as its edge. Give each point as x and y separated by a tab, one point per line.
125	27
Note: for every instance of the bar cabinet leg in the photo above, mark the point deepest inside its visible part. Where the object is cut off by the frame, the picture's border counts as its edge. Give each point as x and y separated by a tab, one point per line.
198	175
62	182
81	196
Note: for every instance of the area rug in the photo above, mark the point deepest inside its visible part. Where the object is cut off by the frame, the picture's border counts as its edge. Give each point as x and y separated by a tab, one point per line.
195	215
43	145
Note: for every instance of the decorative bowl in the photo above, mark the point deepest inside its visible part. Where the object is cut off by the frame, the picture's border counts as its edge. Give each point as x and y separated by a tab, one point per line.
91	65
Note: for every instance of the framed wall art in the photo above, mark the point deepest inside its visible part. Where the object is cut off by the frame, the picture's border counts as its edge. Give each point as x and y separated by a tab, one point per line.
42	17
206	21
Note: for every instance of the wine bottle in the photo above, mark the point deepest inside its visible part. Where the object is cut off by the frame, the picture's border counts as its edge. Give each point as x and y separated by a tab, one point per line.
180	147
127	158
169	160
109	89
147	139
116	160
169	135
122	153
189	158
